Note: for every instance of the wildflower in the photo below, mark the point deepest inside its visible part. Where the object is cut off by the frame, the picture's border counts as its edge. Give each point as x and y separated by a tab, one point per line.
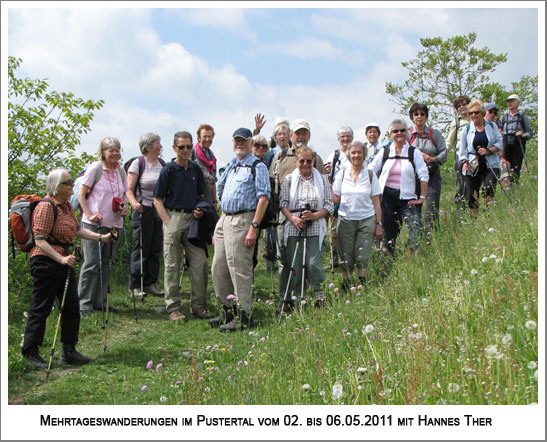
258	300
230	297
178	382
347	302
344	331
163	399
369	329
252	333
331	285
466	282
532	365
337	391
498	260
498	355
492	256
491	230
453	388
229	378
362	370
208	348
359	287
491	350
353	289
144	387
485	259
336	290
252	346
474	272
262	339
507	339
531	325
239	362
149	364
322	393
158	367
358	294
305	387
339	315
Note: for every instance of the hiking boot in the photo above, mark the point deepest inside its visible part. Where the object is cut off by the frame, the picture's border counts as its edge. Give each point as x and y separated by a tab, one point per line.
154	290
201	313
229	326
176	316
71	356
36	360
289	307
319	303
246	321
225	316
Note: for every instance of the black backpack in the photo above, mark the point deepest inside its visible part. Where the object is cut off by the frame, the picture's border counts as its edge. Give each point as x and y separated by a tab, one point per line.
272	210
410	158
141	170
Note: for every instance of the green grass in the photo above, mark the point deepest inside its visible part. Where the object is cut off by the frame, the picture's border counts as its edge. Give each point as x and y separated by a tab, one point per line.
422	331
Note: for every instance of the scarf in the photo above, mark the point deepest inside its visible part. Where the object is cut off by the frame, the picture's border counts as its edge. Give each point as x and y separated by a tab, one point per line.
209	163
318	184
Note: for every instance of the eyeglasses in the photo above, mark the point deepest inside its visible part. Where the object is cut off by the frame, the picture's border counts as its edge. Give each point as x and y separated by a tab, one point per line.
493	112
396	131
305	161
462	104
184	146
263	146
420	114
68	182
475	112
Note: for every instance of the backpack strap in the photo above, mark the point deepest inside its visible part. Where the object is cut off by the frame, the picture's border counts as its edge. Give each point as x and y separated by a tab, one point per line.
335	160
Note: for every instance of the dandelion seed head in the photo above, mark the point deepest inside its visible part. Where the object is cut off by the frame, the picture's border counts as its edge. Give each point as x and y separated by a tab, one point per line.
531	325
507	339
491	350
305	387
492	256
362	370
485	259
491	230
337	391
532	365
163	399
474	272
369	329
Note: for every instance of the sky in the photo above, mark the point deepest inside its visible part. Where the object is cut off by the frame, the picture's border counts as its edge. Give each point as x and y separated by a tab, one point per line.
167	69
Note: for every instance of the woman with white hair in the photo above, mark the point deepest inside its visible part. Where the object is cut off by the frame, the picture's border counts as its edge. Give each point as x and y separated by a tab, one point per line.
101	197
142	175
54	227
403	180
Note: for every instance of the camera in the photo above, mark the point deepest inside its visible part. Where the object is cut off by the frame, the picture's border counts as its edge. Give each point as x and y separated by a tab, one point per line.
117	204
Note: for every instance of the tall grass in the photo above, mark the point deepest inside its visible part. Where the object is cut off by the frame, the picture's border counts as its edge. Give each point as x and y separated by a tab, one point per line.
453	324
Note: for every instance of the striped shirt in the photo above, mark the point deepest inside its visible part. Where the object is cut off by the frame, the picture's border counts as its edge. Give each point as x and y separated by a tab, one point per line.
63	229
242	191
306	193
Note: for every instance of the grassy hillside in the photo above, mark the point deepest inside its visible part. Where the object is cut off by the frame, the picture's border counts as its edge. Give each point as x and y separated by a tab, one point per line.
455	324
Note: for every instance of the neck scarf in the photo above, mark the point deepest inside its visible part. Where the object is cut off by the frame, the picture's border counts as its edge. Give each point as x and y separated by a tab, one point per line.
210	163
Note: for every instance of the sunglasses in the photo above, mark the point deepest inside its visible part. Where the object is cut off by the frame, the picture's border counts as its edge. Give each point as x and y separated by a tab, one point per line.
258	145
493	111
396	131
184	146
420	114
475	113
68	183
305	161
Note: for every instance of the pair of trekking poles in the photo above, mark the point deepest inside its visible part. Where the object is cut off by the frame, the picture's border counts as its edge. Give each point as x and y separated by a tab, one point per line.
301	234
104	311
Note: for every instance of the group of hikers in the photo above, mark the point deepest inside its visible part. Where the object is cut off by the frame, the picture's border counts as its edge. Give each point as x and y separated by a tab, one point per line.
276	187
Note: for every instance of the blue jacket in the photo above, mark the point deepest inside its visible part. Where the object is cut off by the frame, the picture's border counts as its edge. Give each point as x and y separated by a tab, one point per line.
494	139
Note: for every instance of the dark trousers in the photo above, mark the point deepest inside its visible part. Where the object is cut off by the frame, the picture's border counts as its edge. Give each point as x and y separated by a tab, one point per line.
152	244
514	153
433	197
270	247
394	212
485	177
460	182
49	284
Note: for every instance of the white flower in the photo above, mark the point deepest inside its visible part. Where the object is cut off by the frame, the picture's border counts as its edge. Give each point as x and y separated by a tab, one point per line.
485	259
491	230
369	329
474	272
525	272
498	260
492	256
163	399
466	282
322	393
491	350
531	325
453	388
305	387
337	391
362	370
532	365
498	355
507	339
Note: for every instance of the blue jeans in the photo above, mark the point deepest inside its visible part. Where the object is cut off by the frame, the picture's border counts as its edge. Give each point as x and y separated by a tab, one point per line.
394	211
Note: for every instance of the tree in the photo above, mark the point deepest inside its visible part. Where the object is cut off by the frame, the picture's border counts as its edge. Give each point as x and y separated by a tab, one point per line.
441	72
44	129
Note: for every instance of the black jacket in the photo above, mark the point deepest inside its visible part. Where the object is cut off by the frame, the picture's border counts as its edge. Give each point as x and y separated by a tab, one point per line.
201	230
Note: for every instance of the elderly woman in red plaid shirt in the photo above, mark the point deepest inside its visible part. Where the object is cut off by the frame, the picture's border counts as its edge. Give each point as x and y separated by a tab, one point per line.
51	264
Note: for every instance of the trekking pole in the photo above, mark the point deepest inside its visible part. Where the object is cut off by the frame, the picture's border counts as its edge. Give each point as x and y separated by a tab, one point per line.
183	261
331	248
302	297
113	234
523	155
58	322
501	184
101	288
291	273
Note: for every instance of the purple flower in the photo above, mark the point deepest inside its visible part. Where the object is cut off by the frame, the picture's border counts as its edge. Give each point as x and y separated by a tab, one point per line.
262	339
347	302
344	331
149	365
158	367
178	382
208	348
331	285
336	290
144	387
353	289
230	297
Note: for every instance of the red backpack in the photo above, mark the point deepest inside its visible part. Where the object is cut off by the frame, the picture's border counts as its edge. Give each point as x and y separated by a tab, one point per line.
415	134
21	209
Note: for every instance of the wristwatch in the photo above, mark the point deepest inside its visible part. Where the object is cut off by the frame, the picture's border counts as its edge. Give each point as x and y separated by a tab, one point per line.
378	224
255	225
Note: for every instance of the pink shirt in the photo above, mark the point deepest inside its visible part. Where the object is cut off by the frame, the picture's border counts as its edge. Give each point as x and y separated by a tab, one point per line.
110	185
394	177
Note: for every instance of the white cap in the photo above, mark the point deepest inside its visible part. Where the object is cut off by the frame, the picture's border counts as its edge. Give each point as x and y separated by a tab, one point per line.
513	97
300	124
373	124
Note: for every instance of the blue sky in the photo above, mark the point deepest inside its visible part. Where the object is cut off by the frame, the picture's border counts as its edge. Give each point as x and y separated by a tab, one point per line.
170	69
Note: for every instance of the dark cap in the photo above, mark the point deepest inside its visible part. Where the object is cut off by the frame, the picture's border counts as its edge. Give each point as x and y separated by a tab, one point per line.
243	132
491	106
